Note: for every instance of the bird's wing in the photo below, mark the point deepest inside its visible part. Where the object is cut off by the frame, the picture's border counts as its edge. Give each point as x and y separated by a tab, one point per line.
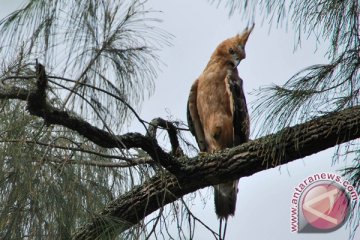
241	120
193	118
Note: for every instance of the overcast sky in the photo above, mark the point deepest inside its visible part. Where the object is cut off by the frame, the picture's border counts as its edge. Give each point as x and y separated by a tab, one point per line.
264	199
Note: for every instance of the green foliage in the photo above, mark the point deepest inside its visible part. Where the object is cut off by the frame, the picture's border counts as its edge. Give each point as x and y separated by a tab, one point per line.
318	89
42	195
106	44
97	54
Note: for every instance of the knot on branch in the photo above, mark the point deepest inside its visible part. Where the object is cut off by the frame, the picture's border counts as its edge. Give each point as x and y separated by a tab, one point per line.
169	161
37	100
41	78
172	132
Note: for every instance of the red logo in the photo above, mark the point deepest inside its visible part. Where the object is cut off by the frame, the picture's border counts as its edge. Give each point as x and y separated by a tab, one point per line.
325	206
321	203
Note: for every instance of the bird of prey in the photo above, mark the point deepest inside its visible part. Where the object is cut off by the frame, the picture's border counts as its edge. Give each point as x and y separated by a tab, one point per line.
217	112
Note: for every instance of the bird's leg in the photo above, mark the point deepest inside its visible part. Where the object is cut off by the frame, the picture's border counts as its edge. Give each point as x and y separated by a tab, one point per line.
223	238
222	233
220	226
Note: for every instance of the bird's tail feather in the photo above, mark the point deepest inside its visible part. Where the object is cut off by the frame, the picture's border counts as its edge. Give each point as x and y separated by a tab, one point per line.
225	199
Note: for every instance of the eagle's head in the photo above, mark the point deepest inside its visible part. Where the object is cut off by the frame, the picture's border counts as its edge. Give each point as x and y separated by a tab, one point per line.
233	49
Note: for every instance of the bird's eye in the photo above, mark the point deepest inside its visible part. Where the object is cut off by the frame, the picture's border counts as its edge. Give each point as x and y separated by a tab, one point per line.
231	51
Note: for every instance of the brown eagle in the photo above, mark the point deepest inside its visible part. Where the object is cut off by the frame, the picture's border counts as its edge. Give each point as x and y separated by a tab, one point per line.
217	112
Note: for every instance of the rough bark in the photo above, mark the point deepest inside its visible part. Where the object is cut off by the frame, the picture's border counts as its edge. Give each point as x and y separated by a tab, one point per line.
287	145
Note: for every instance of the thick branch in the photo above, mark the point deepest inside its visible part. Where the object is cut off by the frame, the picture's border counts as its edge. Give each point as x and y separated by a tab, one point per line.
267	152
12	92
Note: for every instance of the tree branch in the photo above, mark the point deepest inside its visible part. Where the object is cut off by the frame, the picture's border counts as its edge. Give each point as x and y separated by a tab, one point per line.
38	106
12	92
267	152
172	132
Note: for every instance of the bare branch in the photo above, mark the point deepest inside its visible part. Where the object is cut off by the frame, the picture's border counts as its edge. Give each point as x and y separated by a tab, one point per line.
191	214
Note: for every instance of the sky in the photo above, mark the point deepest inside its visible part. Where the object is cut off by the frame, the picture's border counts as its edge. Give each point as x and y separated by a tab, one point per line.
264	199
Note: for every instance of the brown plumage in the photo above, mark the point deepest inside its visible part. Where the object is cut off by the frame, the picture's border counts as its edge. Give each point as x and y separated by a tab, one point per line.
217	111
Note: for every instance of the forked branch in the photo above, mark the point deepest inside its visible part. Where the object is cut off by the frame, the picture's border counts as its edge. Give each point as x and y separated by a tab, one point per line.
38	106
